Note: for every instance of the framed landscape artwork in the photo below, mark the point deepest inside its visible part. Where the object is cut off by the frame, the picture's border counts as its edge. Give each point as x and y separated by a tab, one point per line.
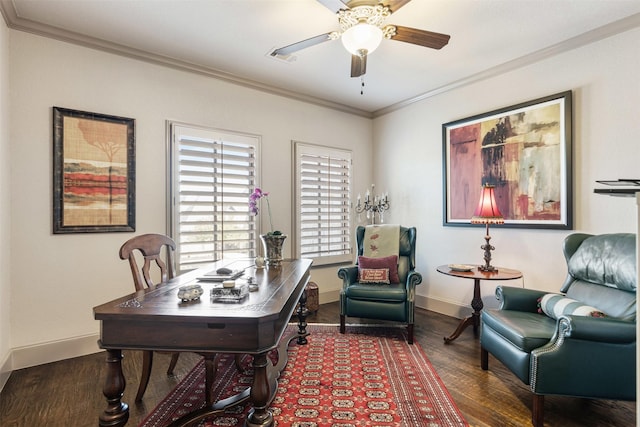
93	172
524	151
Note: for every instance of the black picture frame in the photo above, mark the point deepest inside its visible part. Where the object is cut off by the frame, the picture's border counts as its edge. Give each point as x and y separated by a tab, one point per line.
93	172
525	151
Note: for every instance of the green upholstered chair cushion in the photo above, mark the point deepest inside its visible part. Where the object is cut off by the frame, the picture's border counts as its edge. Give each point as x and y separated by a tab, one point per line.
524	330
614	302
608	259
602	272
377	292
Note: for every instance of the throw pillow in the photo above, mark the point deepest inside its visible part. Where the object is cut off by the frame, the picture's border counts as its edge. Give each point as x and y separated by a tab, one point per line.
373	275
555	305
390	262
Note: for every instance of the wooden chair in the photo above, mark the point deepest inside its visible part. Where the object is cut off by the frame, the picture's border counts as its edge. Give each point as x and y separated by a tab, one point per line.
152	247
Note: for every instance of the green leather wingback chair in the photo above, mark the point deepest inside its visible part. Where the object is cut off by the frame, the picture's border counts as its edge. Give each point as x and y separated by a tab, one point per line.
394	302
580	356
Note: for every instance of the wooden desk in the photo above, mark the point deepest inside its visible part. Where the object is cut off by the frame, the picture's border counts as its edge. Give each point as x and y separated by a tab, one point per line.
155	319
476	302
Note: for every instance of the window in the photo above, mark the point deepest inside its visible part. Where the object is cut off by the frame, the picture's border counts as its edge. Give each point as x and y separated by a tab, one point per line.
212	173
323	214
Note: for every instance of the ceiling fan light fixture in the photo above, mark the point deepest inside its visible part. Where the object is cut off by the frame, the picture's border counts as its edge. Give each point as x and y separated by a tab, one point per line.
360	37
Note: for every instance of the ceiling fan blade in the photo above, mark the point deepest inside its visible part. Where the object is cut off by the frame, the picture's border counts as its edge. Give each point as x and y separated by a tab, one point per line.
333	5
358	65
336	5
394	5
421	37
287	50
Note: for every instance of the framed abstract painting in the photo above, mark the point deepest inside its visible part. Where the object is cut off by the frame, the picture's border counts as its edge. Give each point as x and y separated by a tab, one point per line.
93	172
525	151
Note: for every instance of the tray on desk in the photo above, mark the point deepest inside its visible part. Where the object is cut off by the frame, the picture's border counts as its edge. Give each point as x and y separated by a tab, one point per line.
235	294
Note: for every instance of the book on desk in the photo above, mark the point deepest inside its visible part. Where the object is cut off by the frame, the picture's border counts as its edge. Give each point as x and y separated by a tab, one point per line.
235	269
214	276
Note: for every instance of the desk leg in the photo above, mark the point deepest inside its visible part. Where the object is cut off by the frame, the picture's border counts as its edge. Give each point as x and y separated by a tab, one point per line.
260	415
117	412
260	394
303	312
474	319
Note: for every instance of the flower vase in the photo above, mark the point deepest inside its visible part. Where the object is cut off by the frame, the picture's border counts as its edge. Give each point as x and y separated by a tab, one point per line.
272	244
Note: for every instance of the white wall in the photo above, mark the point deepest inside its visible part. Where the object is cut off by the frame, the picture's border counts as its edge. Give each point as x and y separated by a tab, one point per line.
5	202
58	279
408	161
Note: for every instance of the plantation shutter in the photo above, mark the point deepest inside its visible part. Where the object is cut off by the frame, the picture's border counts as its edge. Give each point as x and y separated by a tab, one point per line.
213	174
323	182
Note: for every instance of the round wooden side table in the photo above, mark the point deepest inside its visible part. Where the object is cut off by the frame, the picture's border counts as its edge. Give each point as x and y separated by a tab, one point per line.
476	302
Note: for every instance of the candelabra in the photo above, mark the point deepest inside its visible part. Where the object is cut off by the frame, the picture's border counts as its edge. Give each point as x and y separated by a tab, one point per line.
378	205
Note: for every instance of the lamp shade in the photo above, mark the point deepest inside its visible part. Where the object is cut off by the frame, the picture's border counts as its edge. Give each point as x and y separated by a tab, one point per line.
487	211
362	37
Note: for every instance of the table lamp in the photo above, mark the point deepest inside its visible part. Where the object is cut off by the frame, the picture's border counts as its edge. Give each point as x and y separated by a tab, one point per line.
487	213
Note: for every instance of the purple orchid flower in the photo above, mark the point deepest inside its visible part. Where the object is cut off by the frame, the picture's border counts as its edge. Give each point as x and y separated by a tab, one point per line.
254	199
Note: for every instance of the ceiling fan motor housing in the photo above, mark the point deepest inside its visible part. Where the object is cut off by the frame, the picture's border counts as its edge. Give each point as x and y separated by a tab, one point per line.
362	28
372	15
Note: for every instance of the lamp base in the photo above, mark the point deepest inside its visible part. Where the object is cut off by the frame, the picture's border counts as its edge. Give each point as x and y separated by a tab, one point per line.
487	267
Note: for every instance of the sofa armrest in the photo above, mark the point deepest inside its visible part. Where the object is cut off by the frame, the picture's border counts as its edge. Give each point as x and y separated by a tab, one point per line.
518	299
607	330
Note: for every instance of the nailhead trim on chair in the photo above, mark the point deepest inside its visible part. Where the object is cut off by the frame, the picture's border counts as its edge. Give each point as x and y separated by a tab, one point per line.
564	327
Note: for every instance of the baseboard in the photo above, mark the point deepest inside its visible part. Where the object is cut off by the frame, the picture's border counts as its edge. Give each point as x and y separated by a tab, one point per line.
448	308
330	296
33	355
5	371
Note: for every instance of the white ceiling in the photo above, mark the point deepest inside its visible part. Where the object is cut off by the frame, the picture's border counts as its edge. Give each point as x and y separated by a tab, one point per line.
231	39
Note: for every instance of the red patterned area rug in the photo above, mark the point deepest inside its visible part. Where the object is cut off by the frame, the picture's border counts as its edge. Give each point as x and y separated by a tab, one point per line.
369	376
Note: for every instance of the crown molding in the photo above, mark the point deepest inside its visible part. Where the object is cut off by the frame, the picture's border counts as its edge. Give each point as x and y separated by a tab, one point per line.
616	27
17	23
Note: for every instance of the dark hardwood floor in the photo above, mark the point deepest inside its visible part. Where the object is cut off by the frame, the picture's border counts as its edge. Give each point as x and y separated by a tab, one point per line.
69	393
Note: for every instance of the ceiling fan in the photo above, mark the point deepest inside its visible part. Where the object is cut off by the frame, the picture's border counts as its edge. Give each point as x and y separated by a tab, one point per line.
362	28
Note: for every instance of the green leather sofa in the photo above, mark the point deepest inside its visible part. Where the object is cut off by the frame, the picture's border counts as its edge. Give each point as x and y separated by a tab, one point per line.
573	355
394	302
